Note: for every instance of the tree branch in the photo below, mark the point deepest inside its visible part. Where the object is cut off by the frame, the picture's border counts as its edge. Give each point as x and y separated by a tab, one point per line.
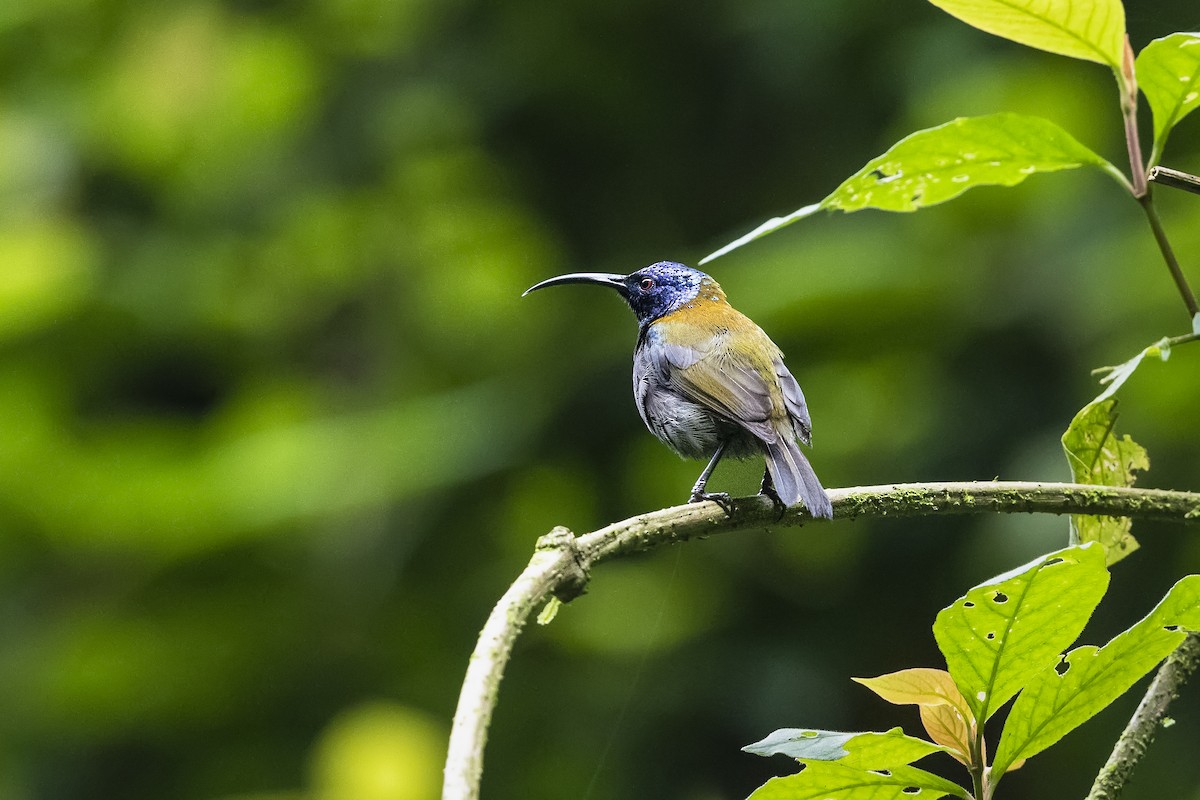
1149	717
561	562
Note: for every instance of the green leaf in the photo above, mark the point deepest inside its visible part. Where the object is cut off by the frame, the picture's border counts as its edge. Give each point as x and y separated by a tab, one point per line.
1099	457
1007	630
938	164
861	750
1168	72
823	780
1092	30
1087	679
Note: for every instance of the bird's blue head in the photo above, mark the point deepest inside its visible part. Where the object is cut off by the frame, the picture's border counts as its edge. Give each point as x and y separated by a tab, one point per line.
661	288
651	292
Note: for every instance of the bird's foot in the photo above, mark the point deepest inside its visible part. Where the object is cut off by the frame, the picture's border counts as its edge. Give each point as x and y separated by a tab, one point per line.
781	507
720	498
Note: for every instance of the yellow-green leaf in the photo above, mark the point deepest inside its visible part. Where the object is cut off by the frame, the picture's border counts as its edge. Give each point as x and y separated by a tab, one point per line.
1099	457
1093	30
944	711
918	686
947	726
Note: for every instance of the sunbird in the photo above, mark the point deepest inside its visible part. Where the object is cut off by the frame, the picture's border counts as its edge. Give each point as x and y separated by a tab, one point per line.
708	382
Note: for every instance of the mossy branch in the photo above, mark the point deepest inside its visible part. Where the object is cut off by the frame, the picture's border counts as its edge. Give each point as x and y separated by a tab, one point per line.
1151	715
561	563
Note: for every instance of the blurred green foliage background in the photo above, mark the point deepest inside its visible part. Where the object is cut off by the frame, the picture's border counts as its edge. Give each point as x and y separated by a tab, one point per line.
276	428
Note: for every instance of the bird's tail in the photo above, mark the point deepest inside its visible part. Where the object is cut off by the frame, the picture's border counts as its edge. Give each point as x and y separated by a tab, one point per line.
794	478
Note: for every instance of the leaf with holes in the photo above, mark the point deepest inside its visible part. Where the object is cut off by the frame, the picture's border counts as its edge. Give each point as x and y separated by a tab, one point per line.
1093	31
1087	679
825	780
1007	630
944	711
862	750
1099	457
938	164
1168	72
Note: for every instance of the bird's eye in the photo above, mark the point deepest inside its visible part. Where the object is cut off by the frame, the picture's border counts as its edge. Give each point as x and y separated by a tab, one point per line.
647	284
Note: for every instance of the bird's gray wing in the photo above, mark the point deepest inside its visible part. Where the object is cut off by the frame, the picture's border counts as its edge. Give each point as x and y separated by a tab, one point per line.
711	376
793	398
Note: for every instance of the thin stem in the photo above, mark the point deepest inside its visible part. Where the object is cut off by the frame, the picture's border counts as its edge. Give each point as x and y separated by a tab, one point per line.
1151	715
1133	144
1127	84
1119	177
560	566
977	783
1146	201
978	769
1184	339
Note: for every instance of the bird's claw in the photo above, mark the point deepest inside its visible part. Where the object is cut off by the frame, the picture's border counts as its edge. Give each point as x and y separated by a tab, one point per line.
720	498
780	506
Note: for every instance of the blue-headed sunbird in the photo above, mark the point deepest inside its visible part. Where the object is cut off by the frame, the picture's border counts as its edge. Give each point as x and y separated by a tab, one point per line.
708	382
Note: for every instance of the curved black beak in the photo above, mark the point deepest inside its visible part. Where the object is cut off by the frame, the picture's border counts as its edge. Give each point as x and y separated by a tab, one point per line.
602	278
